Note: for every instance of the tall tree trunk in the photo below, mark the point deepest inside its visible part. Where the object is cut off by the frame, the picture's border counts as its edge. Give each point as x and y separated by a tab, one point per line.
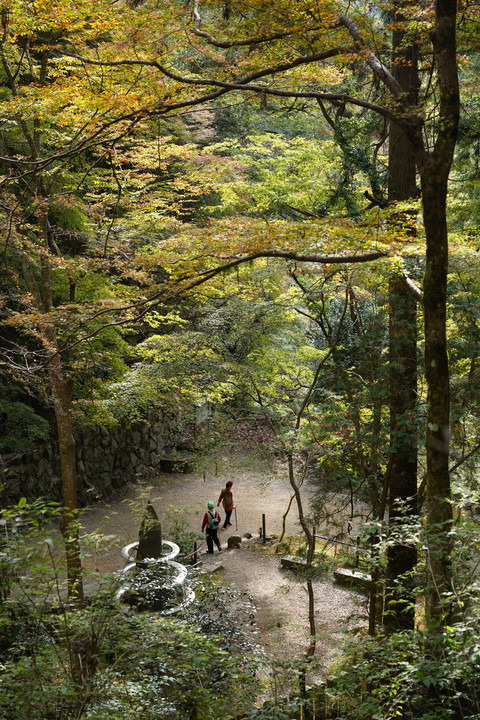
310	653
61	389
439	509
62	400
403	353
434	169
402	557
38	281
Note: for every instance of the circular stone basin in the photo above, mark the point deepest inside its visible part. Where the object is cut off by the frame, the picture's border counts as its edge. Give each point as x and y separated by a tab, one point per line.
155	584
129	552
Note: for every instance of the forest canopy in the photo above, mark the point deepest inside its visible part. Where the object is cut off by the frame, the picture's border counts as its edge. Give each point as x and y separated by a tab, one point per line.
271	208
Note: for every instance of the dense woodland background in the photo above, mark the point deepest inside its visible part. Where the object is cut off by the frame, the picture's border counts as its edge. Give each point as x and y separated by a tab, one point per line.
272	209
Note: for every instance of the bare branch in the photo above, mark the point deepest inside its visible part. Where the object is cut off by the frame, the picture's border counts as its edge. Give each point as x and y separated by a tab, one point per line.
322	362
465	458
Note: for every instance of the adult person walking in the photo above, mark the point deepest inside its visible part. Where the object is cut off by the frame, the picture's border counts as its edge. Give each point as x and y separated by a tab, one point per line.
226	498
211	521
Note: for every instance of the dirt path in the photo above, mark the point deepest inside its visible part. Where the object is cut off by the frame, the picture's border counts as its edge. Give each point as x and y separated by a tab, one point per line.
281	600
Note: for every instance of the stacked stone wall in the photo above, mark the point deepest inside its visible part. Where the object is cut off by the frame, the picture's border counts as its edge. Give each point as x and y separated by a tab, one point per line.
106	461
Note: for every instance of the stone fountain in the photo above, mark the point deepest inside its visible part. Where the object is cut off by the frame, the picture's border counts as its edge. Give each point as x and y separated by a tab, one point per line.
151	579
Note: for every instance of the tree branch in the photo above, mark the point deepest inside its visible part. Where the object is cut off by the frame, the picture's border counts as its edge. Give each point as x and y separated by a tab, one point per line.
412	287
378	68
322	362
167	294
245	83
240	43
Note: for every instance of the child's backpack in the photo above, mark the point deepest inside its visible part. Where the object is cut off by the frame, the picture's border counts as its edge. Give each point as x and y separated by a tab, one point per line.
214	521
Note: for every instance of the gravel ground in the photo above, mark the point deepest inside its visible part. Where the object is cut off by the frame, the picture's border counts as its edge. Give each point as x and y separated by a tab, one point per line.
281	599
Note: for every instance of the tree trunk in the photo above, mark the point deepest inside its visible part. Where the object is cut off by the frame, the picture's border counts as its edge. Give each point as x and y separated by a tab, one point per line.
402	354
61	390
439	510
310	653
62	399
401	557
434	170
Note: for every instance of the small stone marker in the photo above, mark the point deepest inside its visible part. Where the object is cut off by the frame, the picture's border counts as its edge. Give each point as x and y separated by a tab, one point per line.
150	535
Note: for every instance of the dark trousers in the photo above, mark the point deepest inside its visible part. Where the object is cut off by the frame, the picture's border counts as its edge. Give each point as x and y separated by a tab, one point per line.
212	537
227	518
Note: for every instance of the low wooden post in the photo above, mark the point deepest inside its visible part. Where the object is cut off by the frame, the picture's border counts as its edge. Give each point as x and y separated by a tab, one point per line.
264	532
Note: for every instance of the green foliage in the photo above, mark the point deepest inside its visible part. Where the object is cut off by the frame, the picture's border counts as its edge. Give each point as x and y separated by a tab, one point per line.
175	529
21	427
416	675
187	363
182	371
282	709
403	676
242	120
132	667
77	164
100	661
69	217
357	137
272	175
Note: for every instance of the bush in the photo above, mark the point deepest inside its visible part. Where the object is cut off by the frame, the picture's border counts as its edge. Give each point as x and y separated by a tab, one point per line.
411	675
176	530
102	661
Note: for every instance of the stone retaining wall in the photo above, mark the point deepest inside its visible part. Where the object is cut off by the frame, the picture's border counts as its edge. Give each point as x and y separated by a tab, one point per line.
105	461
